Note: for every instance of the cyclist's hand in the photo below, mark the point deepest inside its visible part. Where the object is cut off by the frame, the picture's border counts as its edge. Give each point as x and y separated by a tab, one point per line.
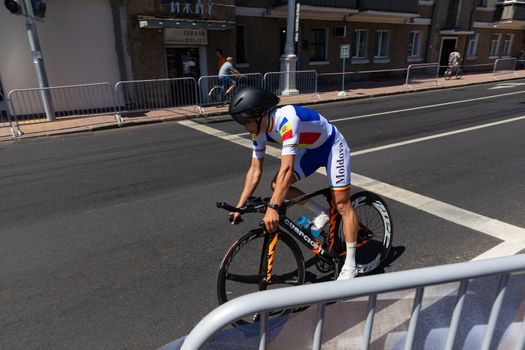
235	218
271	220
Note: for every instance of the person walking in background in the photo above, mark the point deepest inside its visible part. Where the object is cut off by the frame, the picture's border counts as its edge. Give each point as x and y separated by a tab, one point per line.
225	75
221	59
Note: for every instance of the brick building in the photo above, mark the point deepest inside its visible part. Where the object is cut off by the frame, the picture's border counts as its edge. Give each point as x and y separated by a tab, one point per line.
382	34
109	40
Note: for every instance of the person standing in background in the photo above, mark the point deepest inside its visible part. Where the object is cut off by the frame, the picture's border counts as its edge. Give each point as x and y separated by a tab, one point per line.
220	58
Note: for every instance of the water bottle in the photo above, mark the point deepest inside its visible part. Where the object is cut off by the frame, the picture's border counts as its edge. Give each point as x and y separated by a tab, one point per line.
306	224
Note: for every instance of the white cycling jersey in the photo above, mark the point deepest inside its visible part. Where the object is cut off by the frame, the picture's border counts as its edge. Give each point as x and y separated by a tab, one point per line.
313	140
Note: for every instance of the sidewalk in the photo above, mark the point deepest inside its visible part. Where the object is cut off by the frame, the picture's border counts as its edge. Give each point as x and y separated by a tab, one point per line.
355	91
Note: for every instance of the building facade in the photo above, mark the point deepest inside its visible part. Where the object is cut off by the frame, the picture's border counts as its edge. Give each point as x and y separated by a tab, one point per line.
110	40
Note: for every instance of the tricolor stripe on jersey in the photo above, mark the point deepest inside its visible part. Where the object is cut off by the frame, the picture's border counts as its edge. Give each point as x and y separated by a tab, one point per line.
285	129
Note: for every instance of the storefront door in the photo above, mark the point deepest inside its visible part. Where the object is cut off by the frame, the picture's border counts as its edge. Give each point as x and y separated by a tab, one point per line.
182	62
447	46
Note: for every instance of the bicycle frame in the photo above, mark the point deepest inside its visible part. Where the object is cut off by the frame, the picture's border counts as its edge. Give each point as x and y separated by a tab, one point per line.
292	228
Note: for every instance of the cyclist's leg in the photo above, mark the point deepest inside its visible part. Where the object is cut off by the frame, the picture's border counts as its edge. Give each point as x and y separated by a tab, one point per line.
231	86
305	164
338	171
297	175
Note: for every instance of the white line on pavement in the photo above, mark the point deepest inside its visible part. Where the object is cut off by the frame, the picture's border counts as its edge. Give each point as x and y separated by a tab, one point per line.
427	106
431	137
419	108
495	228
513	237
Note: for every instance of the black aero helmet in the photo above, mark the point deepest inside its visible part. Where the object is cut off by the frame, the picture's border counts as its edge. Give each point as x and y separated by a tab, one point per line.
251	103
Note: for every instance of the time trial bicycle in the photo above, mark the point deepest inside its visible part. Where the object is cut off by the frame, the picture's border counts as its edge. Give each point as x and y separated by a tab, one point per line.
260	260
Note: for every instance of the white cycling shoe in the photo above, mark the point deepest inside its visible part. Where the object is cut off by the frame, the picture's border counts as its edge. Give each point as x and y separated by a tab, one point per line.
347	273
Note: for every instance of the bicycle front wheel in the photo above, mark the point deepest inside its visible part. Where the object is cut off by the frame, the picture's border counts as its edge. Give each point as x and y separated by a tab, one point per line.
374	237
216	94
244	269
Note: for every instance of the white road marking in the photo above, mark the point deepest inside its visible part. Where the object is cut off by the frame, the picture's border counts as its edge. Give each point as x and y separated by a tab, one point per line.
513	237
427	106
506	232
431	137
418	108
506	86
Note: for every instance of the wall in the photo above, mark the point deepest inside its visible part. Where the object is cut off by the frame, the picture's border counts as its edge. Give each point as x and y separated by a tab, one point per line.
77	41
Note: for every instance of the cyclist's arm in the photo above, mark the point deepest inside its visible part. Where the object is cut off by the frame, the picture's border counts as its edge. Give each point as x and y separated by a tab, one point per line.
282	183
253	176
283	179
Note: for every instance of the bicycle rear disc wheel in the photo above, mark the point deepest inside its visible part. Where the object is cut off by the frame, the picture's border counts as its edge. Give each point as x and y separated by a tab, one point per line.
244	267
374	237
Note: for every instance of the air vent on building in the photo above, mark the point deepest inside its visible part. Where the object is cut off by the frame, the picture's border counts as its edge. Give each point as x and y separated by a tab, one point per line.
340	31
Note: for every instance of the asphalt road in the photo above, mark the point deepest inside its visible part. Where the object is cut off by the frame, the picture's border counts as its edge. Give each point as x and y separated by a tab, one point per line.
111	239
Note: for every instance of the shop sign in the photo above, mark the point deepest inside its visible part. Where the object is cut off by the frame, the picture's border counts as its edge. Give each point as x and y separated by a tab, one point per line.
188	7
174	36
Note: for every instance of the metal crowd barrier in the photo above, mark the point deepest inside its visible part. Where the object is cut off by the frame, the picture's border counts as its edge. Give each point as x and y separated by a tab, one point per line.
6	118
353	80
146	95
504	66
299	82
212	90
422	73
319	294
27	105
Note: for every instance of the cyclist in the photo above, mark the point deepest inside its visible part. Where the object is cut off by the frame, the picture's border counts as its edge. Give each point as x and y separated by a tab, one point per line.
454	59
225	75
308	141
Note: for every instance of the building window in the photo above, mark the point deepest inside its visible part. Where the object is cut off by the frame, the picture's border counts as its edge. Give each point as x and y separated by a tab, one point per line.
472	47
361	44
507	44
241	45
383	44
414	44
494	45
318	45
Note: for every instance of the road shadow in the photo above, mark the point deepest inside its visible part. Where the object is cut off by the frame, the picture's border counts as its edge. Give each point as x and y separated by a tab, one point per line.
313	275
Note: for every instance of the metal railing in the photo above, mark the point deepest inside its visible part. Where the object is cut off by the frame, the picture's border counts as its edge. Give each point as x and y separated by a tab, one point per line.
504	66
422	73
320	294
353	80
27	106
298	82
146	95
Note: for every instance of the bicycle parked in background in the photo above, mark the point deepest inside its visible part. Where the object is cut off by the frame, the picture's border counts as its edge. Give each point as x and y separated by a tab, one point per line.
260	260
